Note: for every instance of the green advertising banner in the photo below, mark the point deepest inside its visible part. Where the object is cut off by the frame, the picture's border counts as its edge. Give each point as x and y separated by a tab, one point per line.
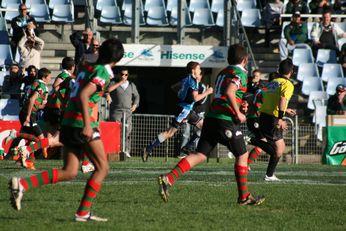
335	148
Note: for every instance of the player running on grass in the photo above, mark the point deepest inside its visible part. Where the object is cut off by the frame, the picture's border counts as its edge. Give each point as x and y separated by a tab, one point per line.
188	95
222	125
80	132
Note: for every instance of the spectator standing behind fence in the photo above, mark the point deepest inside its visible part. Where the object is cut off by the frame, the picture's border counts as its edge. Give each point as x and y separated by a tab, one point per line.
30	48
326	33
296	5
295	33
92	56
12	83
19	24
82	42
337	103
124	99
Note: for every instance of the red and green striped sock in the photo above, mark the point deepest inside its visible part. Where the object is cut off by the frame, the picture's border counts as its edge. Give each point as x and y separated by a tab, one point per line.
27	136
45	177
85	159
241	178
182	167
254	154
42	143
91	190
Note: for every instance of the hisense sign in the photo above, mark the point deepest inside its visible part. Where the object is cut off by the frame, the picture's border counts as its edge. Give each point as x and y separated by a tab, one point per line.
174	55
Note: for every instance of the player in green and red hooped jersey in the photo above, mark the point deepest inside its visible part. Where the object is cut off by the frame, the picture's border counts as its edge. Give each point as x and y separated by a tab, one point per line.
79	132
222	125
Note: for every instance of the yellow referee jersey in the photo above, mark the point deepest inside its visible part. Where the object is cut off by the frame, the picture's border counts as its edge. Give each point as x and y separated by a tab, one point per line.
277	88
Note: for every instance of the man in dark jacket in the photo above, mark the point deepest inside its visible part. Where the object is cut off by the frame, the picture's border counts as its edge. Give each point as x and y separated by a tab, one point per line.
82	43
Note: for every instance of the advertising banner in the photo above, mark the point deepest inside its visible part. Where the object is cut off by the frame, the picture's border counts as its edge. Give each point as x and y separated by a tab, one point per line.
335	148
173	55
110	134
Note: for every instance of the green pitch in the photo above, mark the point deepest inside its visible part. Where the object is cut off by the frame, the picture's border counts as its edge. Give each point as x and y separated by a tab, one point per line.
309	197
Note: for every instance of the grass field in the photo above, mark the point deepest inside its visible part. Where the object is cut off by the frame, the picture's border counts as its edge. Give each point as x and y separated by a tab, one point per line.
309	197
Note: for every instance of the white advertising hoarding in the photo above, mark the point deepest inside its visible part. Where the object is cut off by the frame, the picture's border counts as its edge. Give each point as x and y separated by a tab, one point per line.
173	55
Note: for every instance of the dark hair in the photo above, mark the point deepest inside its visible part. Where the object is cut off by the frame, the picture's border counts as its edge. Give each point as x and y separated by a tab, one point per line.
123	69
67	63
111	50
326	10
285	66
20	6
191	66
43	72
236	54
272	75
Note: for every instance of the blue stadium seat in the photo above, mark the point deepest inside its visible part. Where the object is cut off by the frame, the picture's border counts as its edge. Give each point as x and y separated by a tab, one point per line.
171	4
325	56
40	12
302	55
217	6
13	11
307	70
4	3
4	39
9	109
128	4
5	55
311	84
246	4
28	3
154	3
198	4
220	18
203	17
63	13
111	15
174	17
157	16
317	98
331	85
331	71
251	18
52	3
101	3
320	121
341	25
341	42
127	19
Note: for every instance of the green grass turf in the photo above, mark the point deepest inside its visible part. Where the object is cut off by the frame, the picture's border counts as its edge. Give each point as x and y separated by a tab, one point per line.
310	197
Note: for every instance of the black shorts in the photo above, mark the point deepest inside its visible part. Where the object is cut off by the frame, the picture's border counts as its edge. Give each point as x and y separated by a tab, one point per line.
52	115
33	127
224	132
71	137
254	128
268	127
186	115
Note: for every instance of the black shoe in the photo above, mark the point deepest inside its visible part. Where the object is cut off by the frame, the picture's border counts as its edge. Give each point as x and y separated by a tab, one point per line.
252	200
145	155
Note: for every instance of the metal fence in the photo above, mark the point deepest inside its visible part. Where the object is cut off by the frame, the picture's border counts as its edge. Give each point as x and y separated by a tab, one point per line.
300	140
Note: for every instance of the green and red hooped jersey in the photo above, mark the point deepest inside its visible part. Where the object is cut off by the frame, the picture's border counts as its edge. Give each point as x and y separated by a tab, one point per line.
41	88
53	100
220	107
96	74
67	85
256	103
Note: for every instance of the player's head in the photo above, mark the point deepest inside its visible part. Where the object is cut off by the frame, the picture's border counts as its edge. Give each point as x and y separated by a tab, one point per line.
194	69
44	74
237	54
110	52
67	63
286	67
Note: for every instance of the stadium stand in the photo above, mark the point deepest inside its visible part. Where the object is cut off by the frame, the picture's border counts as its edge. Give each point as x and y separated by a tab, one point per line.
195	5
311	83
307	70
101	3
251	18
331	85
317	98
331	71
40	12
203	17
63	13
174	17
301	55
111	15
157	16
325	56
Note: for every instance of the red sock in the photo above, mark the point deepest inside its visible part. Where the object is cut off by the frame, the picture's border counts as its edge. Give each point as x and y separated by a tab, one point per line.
45	177
254	154
241	178
42	143
27	136
91	190
182	167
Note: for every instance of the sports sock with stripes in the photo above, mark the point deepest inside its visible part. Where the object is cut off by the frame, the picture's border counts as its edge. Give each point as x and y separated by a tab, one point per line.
241	173
27	136
182	167
45	177
91	190
42	143
254	154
